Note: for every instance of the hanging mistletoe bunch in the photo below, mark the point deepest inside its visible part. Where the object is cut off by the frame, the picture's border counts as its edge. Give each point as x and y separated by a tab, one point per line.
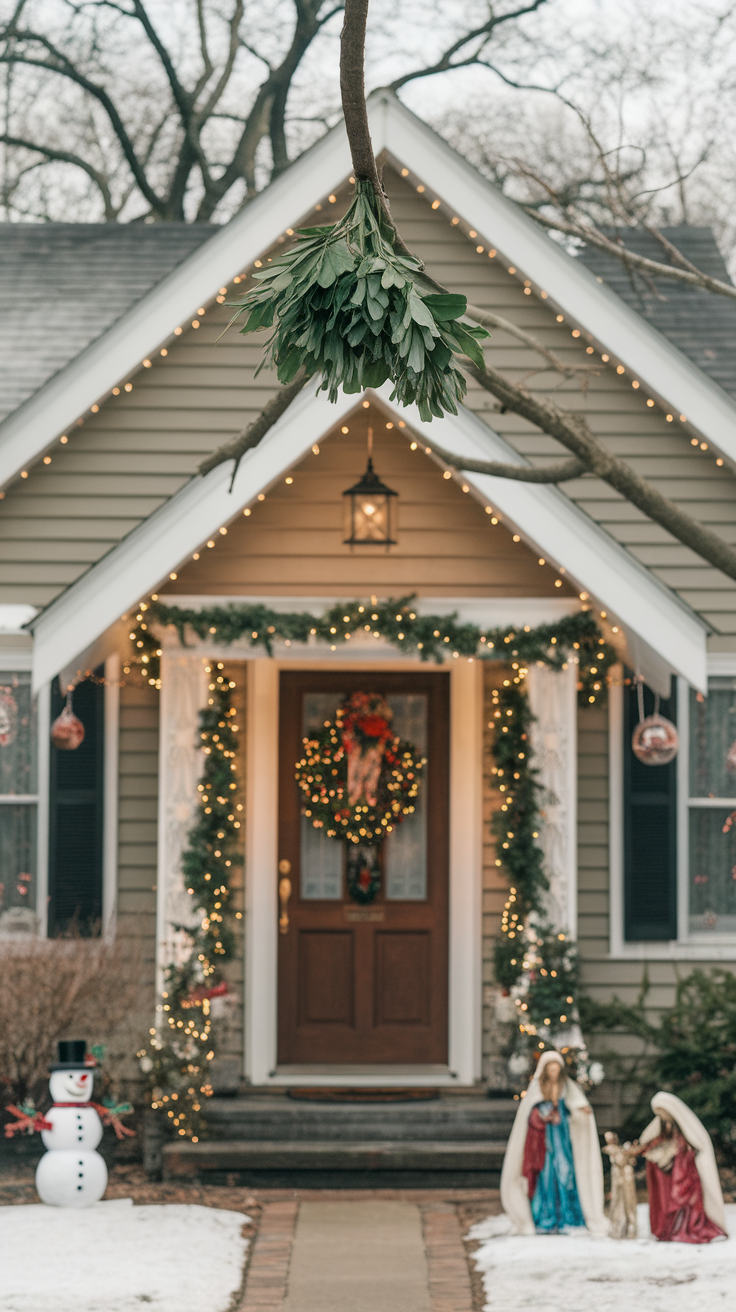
347	305
358	780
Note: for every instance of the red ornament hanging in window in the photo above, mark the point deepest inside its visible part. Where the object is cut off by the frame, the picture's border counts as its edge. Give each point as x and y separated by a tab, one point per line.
67	732
654	740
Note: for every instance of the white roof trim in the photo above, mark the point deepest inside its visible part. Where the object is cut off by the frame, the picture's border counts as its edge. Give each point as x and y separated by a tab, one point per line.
30	429
546	518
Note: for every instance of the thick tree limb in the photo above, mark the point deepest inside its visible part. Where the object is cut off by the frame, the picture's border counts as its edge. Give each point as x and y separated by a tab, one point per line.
489	320
236	448
559	473
620	252
573	432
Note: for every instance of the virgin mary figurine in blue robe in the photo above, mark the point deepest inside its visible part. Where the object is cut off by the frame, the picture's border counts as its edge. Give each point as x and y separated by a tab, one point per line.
552	1178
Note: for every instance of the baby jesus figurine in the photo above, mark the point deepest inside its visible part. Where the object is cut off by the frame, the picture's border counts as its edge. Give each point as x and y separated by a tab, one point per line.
622	1214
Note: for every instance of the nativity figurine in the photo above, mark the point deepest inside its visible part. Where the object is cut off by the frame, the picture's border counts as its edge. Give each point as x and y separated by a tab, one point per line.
622	1212
685	1197
552	1177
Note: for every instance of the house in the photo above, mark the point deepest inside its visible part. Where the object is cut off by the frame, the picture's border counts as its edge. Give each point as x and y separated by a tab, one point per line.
117	383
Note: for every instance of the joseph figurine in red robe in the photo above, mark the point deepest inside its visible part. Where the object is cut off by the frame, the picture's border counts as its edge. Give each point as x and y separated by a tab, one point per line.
685	1198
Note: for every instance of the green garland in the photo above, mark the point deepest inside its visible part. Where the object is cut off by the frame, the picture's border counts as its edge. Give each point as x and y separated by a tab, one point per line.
181	1050
532	958
431	637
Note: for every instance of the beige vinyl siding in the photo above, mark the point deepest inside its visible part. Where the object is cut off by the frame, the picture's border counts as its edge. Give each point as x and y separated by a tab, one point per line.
122	463
293	542
137	835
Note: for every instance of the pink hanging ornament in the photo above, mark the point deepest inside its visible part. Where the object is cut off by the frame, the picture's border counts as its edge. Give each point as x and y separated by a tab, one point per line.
731	759
8	717
67	732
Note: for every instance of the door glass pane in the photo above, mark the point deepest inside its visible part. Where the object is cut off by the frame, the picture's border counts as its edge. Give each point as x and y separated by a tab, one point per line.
17	734
405	850
712	872
321	859
712	734
17	869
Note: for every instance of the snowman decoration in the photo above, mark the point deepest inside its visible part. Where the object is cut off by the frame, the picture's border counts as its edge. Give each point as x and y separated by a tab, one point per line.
71	1173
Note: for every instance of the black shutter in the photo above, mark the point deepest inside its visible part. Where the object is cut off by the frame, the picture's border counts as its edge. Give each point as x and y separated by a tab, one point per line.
76	817
650	832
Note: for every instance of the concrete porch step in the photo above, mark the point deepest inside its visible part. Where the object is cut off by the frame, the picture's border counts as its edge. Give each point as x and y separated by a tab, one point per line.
331	1164
450	1120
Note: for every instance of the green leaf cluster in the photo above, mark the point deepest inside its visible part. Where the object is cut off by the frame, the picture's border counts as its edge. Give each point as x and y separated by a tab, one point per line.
346	305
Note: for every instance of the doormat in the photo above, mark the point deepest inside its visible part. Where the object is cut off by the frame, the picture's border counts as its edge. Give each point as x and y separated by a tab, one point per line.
324	1094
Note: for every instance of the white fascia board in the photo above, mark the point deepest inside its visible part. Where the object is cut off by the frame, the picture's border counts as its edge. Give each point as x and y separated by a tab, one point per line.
29	430
590	305
545	517
564	534
159	545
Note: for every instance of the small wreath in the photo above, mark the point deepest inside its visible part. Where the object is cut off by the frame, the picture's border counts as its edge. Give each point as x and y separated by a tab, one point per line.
358	780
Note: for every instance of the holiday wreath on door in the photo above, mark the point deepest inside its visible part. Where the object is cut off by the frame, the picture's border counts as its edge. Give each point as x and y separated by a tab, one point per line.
359	782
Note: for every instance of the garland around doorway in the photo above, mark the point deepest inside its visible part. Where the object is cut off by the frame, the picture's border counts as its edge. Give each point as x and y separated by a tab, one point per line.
535	962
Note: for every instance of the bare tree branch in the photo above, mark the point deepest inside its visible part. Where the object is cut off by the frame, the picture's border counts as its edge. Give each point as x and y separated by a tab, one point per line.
244	441
68	157
489	320
480	34
572	431
559	473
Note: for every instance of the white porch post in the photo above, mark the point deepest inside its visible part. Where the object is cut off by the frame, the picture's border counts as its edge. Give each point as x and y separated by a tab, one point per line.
466	870
261	860
183	694
553	701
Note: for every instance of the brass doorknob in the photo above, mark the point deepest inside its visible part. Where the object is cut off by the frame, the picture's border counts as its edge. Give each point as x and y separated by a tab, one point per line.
284	895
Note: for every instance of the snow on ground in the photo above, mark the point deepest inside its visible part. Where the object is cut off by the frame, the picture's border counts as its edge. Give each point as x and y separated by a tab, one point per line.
114	1257
578	1273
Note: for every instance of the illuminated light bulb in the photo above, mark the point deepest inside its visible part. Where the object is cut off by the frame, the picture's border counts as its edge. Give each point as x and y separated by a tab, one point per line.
635	384
368	508
413	446
404	173
543	295
703	446
527	291
366	405
178	332
195	323
389	425
693	441
605	358
47	460
541	560
719	461
650	402
289	479
344	429
465	487
479	250
172	575
24	473
576	332
558	583
683	419
472	233
447	474
332	199
489	509
560	318
512	269
64	439
402	424
195	556
492	256
669	418
435	204
455	221
261	496
259	263
116	391
516	538
420	188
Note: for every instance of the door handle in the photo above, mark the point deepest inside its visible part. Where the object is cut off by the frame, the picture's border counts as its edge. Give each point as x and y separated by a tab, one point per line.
284	895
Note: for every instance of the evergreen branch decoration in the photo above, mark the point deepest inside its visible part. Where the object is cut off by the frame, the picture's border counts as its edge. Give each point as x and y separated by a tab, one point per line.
431	637
349	306
179	1055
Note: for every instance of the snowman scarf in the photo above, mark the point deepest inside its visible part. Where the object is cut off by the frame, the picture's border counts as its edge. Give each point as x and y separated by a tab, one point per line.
31	1120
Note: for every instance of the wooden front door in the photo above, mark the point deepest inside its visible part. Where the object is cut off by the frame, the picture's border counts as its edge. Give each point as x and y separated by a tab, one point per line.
365	984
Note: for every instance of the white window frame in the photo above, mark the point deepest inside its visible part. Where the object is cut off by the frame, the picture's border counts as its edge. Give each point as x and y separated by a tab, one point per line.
14	661
687	946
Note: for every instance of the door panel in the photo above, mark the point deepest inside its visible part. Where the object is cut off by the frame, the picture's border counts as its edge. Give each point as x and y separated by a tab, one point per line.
365	984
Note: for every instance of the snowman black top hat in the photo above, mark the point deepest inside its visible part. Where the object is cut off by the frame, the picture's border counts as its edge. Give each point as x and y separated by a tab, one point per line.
72	1055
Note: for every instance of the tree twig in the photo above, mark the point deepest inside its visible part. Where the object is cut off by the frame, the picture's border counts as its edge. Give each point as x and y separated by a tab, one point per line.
559	473
489	320
244	441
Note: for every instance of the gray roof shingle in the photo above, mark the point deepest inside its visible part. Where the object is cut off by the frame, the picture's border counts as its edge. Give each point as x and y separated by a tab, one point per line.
63	284
701	324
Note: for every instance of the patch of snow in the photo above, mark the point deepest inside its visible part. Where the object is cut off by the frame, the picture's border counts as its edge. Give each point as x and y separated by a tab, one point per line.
577	1272
120	1258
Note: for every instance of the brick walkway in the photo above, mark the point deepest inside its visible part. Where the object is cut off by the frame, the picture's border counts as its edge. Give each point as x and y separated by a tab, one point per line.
449	1287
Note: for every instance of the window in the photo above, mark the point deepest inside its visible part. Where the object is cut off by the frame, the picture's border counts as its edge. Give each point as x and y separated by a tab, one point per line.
18	803
711	804
76	800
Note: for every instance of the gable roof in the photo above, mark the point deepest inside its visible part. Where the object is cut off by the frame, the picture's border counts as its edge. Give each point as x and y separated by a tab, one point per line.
62	285
700	324
598	311
565	534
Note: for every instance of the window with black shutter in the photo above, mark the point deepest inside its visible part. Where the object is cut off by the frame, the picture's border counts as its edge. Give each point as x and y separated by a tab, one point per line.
76	817
650	831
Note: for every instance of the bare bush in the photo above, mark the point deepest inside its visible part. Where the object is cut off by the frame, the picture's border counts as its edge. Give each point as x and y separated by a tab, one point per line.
64	988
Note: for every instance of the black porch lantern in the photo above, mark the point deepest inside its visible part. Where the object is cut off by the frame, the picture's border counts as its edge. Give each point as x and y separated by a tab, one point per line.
368	517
